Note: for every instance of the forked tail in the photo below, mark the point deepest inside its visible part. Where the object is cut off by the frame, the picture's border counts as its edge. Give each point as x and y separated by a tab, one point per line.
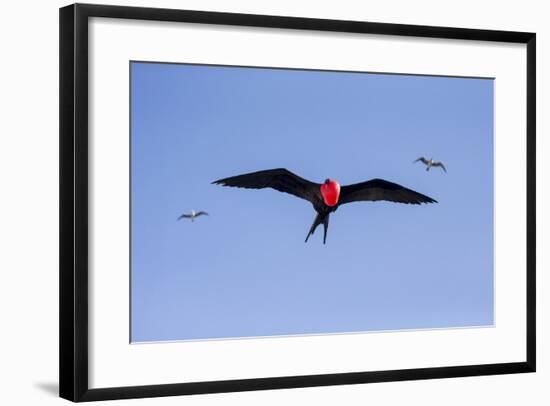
319	219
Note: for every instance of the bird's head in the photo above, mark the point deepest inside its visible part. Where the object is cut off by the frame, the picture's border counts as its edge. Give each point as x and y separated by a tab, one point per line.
330	190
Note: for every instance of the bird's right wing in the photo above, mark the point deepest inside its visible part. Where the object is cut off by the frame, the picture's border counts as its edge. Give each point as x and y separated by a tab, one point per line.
279	179
201	213
379	189
424	160
184	216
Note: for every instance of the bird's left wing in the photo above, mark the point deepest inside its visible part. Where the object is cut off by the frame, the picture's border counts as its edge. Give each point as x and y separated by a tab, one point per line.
201	213
279	179
440	164
379	189
184	216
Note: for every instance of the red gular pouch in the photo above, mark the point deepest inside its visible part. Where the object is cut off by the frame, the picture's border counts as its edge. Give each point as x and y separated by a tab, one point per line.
330	190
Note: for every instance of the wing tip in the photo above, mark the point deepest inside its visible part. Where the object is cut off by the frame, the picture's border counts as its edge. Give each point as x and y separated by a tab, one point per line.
425	200
222	182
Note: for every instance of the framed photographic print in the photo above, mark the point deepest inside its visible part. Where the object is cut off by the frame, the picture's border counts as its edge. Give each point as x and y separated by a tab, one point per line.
258	202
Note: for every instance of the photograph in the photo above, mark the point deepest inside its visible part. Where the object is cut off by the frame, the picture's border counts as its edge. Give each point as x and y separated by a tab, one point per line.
251	201
280	202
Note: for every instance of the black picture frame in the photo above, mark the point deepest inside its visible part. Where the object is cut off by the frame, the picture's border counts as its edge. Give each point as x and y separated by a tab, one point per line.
73	280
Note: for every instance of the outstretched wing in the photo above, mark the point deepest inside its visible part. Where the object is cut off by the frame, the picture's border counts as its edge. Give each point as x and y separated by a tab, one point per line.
202	213
279	179
379	189
440	164
184	216
424	160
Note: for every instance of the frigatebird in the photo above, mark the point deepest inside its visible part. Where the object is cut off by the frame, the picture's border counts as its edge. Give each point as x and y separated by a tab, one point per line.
193	215
430	162
325	197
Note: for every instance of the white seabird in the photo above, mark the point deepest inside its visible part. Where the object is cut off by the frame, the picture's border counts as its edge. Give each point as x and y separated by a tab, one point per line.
430	162
193	215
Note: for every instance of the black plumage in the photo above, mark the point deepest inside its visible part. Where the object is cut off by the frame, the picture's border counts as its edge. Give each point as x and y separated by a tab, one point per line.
279	179
285	181
380	189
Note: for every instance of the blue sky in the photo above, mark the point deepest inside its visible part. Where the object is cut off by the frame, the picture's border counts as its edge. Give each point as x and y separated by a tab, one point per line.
245	270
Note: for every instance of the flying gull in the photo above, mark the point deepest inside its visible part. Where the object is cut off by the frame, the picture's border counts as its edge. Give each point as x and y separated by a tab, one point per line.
193	215
430	162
